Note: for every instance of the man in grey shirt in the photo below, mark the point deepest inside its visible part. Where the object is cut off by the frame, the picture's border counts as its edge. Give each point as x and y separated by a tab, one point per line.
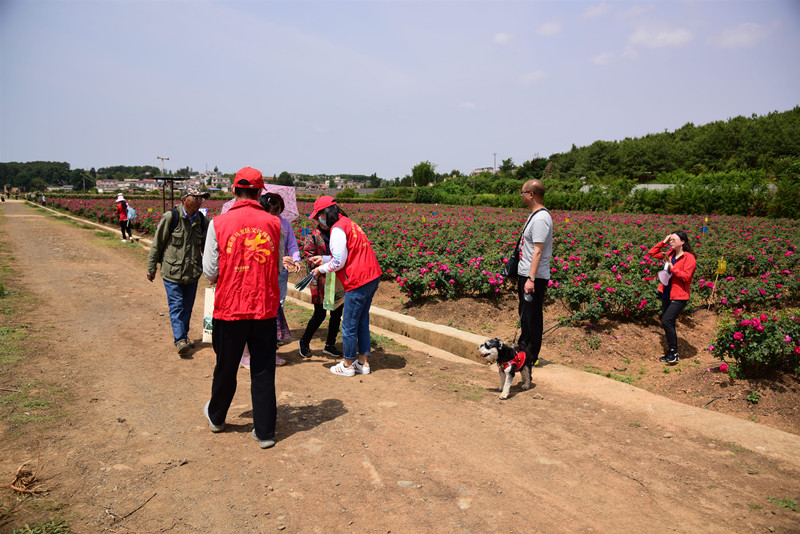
536	249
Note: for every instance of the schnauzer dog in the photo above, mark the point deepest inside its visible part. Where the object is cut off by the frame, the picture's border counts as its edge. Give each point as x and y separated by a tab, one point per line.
509	361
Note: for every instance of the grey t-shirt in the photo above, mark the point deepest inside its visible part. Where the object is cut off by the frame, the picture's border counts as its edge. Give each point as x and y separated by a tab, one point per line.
539	230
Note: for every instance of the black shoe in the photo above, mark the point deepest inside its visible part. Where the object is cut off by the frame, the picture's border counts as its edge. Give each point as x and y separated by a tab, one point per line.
667	355
672	358
305	350
331	350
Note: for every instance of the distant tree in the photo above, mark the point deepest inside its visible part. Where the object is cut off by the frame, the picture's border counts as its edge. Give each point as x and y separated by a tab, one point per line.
374	181
285	178
423	173
216	169
346	193
331	184
507	166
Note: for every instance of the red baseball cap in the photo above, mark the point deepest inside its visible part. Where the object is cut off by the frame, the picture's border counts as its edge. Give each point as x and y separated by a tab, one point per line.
249	178
321	203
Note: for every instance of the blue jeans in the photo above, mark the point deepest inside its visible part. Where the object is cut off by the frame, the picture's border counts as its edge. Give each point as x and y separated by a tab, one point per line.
355	319
283	280
180	298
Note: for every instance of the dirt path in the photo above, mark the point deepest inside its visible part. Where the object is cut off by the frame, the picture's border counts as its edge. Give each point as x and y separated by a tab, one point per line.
420	445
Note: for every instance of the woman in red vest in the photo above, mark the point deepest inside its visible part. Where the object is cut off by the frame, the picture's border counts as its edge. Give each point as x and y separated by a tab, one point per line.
356	266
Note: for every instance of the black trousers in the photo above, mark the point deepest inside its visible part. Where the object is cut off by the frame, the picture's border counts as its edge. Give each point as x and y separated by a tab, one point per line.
316	321
229	339
670	309
531	317
125	226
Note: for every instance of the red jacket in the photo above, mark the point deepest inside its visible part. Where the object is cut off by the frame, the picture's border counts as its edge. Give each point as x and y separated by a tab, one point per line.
248	239
361	266
122	211
682	271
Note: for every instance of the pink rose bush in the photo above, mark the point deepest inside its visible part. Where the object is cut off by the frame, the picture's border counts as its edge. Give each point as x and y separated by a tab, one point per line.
760	344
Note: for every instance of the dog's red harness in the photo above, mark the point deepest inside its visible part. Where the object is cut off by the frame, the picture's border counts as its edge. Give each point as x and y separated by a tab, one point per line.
517	362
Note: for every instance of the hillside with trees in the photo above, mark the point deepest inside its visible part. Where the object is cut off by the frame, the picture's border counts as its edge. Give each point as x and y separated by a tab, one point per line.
742	166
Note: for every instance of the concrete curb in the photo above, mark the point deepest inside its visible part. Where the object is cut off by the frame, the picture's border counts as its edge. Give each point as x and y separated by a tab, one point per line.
448	339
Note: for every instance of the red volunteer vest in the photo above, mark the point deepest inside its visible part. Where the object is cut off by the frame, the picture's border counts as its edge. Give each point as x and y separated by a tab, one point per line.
361	265
248	239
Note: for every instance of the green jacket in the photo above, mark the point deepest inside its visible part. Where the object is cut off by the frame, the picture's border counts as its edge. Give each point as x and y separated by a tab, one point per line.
180	254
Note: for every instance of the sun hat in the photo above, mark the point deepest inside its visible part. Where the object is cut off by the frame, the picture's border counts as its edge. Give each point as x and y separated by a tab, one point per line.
249	178
321	203
120	198
192	191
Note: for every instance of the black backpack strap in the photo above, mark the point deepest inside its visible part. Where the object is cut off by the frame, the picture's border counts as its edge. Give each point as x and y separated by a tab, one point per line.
174	220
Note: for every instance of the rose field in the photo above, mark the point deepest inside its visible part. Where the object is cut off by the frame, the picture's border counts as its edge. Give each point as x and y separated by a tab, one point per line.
747	268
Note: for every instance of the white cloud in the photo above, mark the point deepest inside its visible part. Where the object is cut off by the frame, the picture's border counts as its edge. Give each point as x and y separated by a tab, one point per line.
605	58
467	105
745	36
532	78
629	54
596	10
503	39
661	38
549	29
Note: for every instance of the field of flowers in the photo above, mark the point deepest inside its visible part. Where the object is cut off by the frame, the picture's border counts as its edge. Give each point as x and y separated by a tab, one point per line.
599	265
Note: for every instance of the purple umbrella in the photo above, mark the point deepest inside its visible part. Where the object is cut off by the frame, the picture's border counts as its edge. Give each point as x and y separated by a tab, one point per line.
287	193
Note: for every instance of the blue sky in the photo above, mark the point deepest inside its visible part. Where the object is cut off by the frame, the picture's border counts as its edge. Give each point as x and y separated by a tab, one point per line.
377	86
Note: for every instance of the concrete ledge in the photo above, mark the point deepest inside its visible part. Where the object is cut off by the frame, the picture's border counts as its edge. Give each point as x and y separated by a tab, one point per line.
448	339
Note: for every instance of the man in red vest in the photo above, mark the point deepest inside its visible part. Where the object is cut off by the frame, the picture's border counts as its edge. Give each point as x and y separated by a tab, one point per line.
243	256
356	266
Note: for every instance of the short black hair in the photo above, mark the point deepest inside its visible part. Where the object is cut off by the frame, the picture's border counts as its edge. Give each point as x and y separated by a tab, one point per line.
246	192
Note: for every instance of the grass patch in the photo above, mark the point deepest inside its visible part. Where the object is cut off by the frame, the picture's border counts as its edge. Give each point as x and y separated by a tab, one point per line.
613	376
386	343
10	349
33	403
466	392
788	504
48	527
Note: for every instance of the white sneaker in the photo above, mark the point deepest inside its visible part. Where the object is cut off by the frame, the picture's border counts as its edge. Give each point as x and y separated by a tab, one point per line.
341	370
361	369
214	428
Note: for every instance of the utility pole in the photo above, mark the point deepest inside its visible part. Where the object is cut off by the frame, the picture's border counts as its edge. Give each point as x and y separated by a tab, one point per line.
164	186
494	169
162	164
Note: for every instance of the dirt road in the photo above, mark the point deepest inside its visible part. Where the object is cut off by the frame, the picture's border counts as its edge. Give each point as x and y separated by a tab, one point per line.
420	445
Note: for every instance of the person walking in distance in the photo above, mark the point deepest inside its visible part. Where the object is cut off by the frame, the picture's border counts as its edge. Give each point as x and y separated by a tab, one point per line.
122	210
243	257
536	249
178	246
356	266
